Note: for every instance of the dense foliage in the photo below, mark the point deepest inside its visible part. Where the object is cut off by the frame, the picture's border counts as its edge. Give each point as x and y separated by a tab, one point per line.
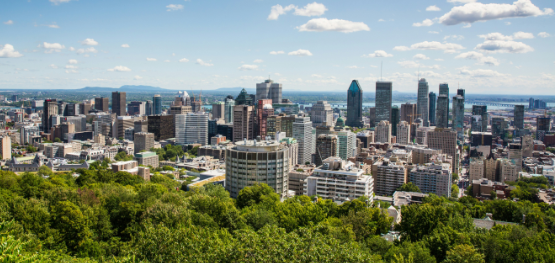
102	216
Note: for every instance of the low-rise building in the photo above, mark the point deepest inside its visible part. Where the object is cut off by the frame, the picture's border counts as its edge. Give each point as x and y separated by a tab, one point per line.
147	159
298	174
131	167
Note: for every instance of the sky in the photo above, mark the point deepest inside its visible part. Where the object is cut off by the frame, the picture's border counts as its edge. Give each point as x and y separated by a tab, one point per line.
485	47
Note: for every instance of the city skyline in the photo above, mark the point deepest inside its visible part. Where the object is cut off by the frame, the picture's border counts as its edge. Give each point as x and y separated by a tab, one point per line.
313	46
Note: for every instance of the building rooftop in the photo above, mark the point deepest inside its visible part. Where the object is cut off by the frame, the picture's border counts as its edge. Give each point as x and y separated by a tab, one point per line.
145	154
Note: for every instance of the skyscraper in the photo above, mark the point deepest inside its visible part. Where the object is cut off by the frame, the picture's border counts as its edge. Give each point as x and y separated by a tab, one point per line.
444	89
384	98
460	92
218	110
458	115
498	127
354	105
543	126
119	103
244	98
408	112
321	114
383	132
395	118
149	108
302	131
432	97
346	144
229	104
243	122
482	111
326	146
422	102
403	133
264	110
191	128
101	104
157	104
442	112
269	90
531	103
50	108
519	117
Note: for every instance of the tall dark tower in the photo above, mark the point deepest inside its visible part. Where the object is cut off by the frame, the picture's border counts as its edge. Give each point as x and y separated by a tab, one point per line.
119	103
432	98
354	105
395	118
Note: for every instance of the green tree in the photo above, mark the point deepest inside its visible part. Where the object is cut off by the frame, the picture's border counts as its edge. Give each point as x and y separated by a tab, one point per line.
455	191
255	194
464	254
71	223
409	187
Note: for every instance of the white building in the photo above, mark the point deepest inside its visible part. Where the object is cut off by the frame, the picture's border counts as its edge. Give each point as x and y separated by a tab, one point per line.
302	131
403	133
321	113
346	144
476	169
339	180
28	132
389	176
383	132
509	171
433	178
191	128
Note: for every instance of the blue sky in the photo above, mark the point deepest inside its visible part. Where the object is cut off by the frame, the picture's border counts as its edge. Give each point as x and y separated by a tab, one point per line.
482	46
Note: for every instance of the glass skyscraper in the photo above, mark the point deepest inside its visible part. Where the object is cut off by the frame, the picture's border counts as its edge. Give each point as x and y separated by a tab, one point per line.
432	97
458	114
384	98
354	105
422	102
157	104
395	118
442	112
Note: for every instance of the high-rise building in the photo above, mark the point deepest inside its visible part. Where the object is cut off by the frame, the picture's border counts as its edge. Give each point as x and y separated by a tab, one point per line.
482	111
157	101
244	98
163	126
519	117
140	126
228	111
395	118
543	126
321	114
527	146
302	131
422	102
136	108
174	110
432	97
347	144
101	104
434	178
403	133
144	141
119	102
509	171
50	109
388	177
326	146
196	104
354	105
408	112
73	109
218	110
445	140
384	99
243	122
85	107
149	108
366	137
515	154
460	92
444	89
383	132
498	127
264	110
191	128
442	112
274	126
458	115
5	147
531	103
269	90
251	162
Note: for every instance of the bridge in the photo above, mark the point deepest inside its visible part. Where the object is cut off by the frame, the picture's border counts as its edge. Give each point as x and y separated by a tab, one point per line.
491	104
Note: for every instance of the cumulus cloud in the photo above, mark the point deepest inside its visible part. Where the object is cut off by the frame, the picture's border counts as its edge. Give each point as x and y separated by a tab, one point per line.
86	50
125	46
278	10
52	47
276	52
499	36
183	60
523	35
173	7
433	32
258	61
9	22
475	12
432	8
378	54
420	57
202	63
544	34
433	45
57	2
480	73
479	57
72	61
120	69
456	37
8	51
426	22
300	53
314	9
137	77
248	67
338	25
151	59
501	46
89	42
461	1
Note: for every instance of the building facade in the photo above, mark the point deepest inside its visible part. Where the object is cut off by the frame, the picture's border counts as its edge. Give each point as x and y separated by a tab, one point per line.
354	105
383	132
384	99
119	102
423	102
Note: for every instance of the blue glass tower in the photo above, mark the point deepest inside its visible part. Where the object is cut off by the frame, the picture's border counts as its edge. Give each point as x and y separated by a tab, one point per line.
432	97
354	105
157	101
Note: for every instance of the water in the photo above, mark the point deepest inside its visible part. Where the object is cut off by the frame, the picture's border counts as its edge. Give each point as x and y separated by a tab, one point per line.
398	104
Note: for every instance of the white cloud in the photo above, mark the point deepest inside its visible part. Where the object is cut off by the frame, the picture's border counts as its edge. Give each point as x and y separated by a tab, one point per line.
354	67
475	11
57	2
137	77
71	67
479	57
300	53
183	60
86	50
421	57
432	8
480	73
71	71
202	63
9	22
508	23
278	10
338	25
173	7
53	66
378	54
426	22
151	59
523	35
120	69
52	47
71	49
8	51
495	36
500	46
433	45
125	46
248	67
544	34
53	26
433	32
461	1
258	61
167	60
314	9
72	61
456	37
381	20
89	42
276	52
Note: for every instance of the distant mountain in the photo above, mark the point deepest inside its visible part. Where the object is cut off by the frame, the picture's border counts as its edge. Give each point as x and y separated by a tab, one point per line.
126	88
233	91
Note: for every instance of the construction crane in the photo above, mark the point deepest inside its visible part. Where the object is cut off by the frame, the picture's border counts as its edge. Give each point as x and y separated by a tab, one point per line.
412	115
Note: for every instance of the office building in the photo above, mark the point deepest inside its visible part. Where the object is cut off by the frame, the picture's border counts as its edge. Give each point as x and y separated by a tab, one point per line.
509	171
191	128
519	117
196	104
461	92
225	130
250	162
444	89
269	90
102	104
326	146
384	99
50	109
136	108
218	110
395	118
383	132
458	115
339	181
354	105
157	101
432	98
408	112
434	178
243	122
274	126
244	98
442	112
302	132
144	141
527	146
140	126
366	137
174	110
147	159
476	124
515	154
5	147
444	140
422	103
264	110
228	111
482	111
347	146
403	133
27	133
73	109
543	126
163	126
388	177
499	127
531	103
476	169
119	103
85	107
321	114
149	108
